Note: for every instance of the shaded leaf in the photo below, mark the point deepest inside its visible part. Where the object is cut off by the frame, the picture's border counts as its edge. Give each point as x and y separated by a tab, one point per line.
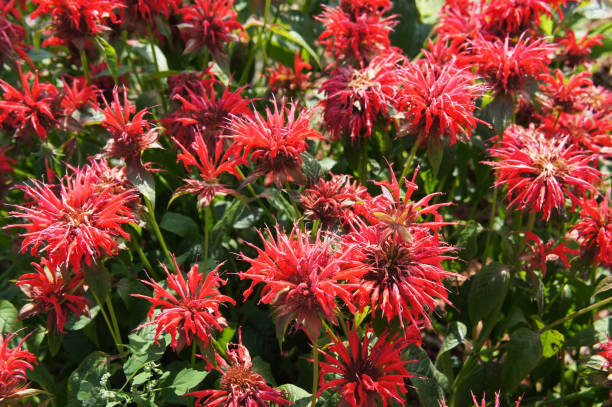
488	291
524	353
430	383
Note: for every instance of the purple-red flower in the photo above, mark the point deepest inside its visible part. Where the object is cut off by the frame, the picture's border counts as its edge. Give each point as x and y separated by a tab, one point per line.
13	365
365	373
594	230
275	143
191	310
48	290
300	279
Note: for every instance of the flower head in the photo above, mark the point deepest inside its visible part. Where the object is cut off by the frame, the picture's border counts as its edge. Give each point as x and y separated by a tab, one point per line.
274	143
300	279
513	17
595	230
606	353
540	172
77	95
575	53
540	253
13	365
12	36
73	222
291	79
366	373
241	386
561	95
191	311
48	290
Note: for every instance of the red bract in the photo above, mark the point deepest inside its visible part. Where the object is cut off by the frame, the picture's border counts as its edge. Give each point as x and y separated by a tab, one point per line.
576	53
540	253
192	311
75	221
507	66
290	79
241	386
606	353
206	186
439	101
210	24
357	98
595	230
397	275
76	21
355	37
365	373
276	142
598	100
561	95
300	279
31	111
77	95
48	290
334	202
540	173
13	365
129	137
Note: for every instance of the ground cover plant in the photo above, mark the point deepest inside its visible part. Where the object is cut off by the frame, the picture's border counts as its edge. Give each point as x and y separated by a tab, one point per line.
352	203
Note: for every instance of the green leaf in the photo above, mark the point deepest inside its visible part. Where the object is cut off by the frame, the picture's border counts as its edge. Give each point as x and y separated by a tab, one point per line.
263	368
74	324
54	339
8	317
110	56
98	281
294	37
524	353
187	379
295	394
144	349
500	111
457	332
604	285
552	342
225	225
180	225
435	152
142	180
592	335
429	382
467	241
84	382
488	291
311	167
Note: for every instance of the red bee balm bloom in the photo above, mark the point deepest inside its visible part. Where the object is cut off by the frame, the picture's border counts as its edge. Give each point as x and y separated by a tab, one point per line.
242	387
191	313
300	280
276	142
606	353
74	221
560	96
47	290
540	253
77	95
575	53
365	374
292	80
129	138
513	17
595	230
13	365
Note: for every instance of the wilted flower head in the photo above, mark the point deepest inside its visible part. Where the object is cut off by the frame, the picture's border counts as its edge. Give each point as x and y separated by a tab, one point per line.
291	79
13	365
241	386
274	143
595	230
73	222
575	53
540	253
365	373
357	98
300	279
49	290
191	310
30	111
541	173
129	138
564	95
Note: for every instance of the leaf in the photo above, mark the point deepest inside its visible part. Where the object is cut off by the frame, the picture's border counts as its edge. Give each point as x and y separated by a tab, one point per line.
500	111
84	382
592	335
488	291
98	281
180	225
468	239
54	339
187	379
8	317
482	378
224	226
294	37
457	332
524	353
295	394
110	56
604	285
311	167
435	152
142	180
429	382
144	349
263	368
74	324
552	342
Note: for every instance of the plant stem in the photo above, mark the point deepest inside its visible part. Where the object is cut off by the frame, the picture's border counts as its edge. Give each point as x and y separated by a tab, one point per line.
491	221
85	65
415	147
206	232
113	316
259	203
108	323
315	372
577	314
141	254
158	234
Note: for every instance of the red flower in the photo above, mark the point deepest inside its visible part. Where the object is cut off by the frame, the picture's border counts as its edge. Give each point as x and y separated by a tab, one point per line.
397	275
355	37
12	36
461	21
276	142
564	96
440	101
77	95
541	173
77	20
590	131
513	17
13	365
606	353
31	111
595	230
75	221
242	387
365	374
129	137
192	311
292	80
598	100
138	11
48	290
364	6
576	53
508	67
210	24
483	401
185	82
334	202
206	186
540	253
356	98
300	280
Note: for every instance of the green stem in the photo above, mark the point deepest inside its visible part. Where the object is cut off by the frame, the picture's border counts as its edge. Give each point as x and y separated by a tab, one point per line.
156	64
206	232
413	151
315	372
108	323
491	221
85	65
158	234
113	316
577	314
142	255
363	162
